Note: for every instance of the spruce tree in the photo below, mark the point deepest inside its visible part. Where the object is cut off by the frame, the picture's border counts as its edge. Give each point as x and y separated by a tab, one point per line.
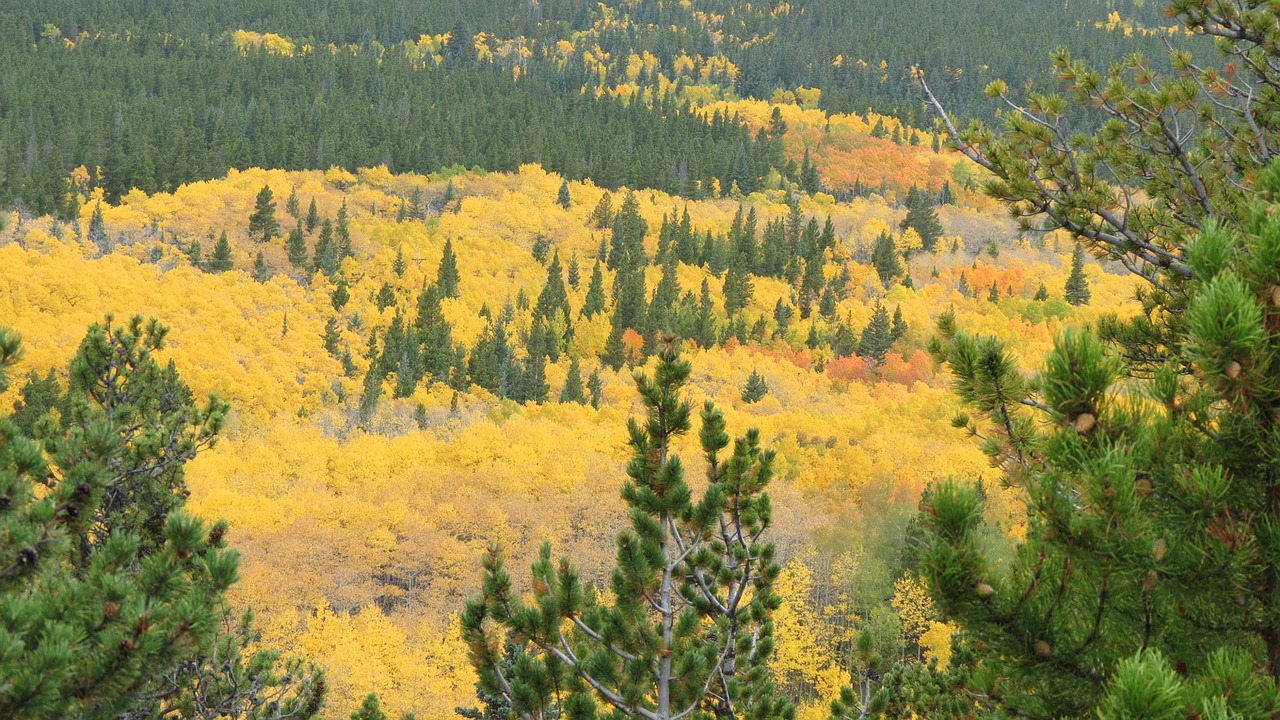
221	260
884	257
1077	288
98	231
340	295
260	271
686	628
296	247
993	295
602	216
313	216
922	217
595	387
342	232
755	389
563	197
899	325
1042	293
575	272
262	223
327	255
572	390
195	254
594	302
398	265
738	290
877	336
291	204
447	277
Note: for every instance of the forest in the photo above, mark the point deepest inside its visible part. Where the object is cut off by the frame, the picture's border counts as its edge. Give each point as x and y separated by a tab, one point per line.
639	359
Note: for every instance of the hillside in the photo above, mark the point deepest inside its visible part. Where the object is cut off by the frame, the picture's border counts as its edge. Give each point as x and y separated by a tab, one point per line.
379	493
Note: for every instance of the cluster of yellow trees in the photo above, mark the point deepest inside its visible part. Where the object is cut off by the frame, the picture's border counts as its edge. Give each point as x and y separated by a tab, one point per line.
361	536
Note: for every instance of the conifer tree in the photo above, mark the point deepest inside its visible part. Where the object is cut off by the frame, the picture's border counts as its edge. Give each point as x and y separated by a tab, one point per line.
113	595
595	387
195	254
313	216
291	204
398	265
877	336
704	332
593	304
447	277
98	230
922	217
327	254
884	256
340	295
342	232
221	260
962	287
572	390
602	215
993	295
260	271
738	290
1077	288
899	325
686	629
1042	293
575	271
296	247
262	223
755	389
563	197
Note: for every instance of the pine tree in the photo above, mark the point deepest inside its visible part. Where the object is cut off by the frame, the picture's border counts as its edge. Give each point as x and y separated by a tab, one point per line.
705	326
563	197
595	387
313	216
922	217
327	254
738	290
643	654
877	336
572	391
340	295
291	204
1077	288
575	272
594	302
755	389
262	223
1042	293
221	260
447	277
993	295
602	216
107	531
884	256
195	254
398	265
342	231
98	231
899	329
296	247
962	287
260	271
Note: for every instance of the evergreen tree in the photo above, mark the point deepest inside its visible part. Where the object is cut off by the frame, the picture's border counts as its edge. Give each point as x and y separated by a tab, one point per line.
563	197
594	302
899	329
291	204
342	231
313	216
398	265
262	223
1042	293
755	389
962	287
884	256
447	277
642	653
327	253
993	295
809	180
738	290
260	271
575	271
37	398
541	246
340	295
595	387
221	259
1077	288
572	391
195	254
386	297
877	336
331	337
704	332
296	247
602	216
107	531
922	217
98	231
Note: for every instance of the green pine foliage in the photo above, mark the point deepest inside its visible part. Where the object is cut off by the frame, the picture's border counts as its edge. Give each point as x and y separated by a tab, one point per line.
113	596
221	260
885	259
296	248
877	336
642	654
261	272
447	276
262	222
1077	288
755	389
922	217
